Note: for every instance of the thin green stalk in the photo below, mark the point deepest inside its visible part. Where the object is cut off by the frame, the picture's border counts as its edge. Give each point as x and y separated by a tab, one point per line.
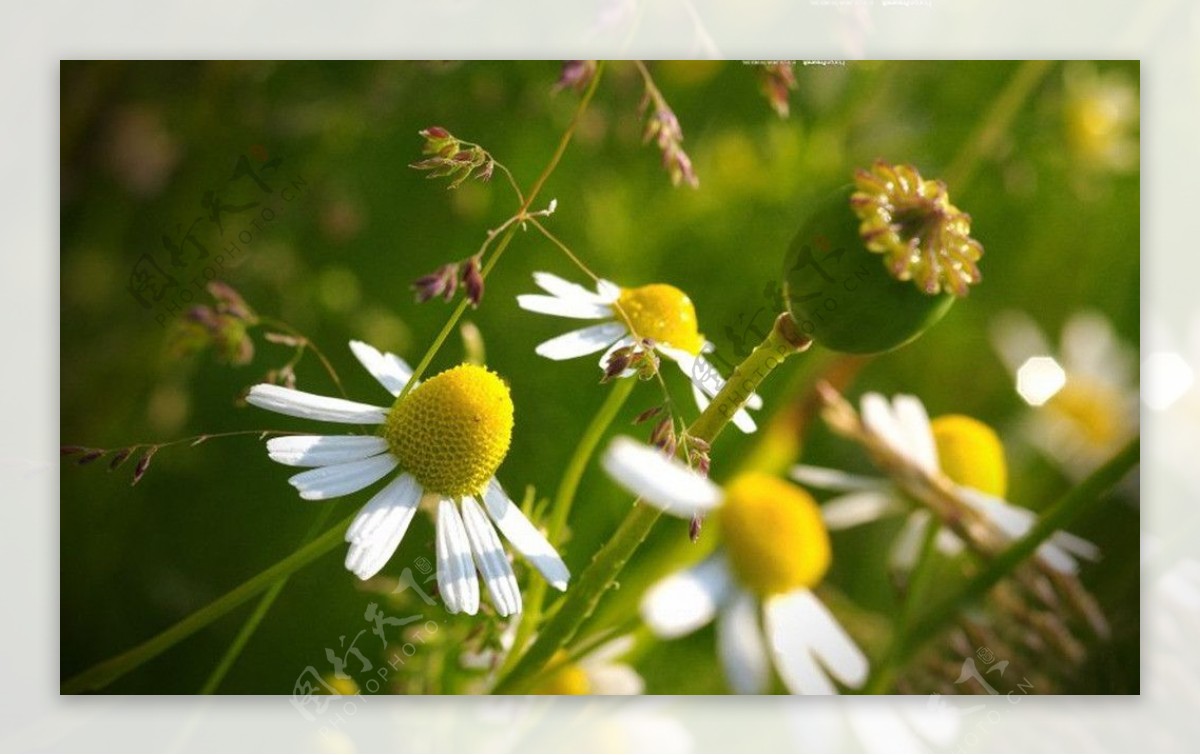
106	672
461	308
992	127
564	498
1077	502
260	611
579	603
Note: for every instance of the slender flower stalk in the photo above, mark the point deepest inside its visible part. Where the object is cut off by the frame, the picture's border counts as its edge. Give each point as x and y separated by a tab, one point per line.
783	341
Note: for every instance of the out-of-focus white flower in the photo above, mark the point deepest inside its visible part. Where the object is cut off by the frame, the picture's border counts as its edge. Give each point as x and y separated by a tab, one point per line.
1083	395
775	550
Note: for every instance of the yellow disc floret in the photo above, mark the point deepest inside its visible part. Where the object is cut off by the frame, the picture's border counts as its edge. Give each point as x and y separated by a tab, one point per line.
663	313
1092	409
970	454
567	679
452	432
773	534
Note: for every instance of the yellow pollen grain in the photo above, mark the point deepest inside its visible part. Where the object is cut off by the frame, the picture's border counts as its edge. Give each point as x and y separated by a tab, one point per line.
663	313
452	432
971	454
773	534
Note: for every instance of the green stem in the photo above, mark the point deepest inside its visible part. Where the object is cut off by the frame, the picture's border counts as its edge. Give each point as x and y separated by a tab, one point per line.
564	498
106	672
260	611
884	672
579	603
1075	504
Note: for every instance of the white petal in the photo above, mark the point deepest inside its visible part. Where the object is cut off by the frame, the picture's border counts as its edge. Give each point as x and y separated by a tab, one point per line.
914	422
740	646
878	417
323	450
683	602
834	479
491	559
392	372
581	342
1076	545
608	291
342	479
293	403
564	289
802	632
1089	345
907	545
379	527
853	509
664	483
552	305
701	372
610	651
1016	337
524	536
455	571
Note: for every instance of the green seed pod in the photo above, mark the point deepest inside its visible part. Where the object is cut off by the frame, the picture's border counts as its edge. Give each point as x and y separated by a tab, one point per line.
879	261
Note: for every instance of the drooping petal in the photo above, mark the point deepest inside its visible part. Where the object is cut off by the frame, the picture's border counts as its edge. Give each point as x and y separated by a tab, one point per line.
524	536
342	479
907	545
455	570
392	372
294	403
740	646
490	558
878	417
379	527
581	342
664	483
323	450
552	305
835	479
741	418
620	344
854	509
803	632
683	602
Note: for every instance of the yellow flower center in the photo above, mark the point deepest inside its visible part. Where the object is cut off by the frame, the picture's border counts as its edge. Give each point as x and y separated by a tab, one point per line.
971	454
773	534
663	313
1091	408
569	679
452	432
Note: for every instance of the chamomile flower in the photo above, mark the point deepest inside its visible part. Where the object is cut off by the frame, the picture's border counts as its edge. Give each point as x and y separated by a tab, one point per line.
447	437
1083	399
659	312
775	551
961	448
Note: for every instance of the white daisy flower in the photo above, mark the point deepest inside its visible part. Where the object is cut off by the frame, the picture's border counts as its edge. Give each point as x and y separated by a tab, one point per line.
660	312
775	550
961	448
1084	398
446	437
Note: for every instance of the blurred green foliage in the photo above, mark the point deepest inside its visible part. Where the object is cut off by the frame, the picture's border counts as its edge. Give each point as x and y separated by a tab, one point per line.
142	143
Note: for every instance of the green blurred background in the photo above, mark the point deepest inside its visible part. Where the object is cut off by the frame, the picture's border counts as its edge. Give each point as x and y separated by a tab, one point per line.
141	144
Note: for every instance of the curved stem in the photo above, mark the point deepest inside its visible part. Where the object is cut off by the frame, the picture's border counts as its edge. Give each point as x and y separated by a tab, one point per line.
579	603
260	611
564	498
308	343
106	672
